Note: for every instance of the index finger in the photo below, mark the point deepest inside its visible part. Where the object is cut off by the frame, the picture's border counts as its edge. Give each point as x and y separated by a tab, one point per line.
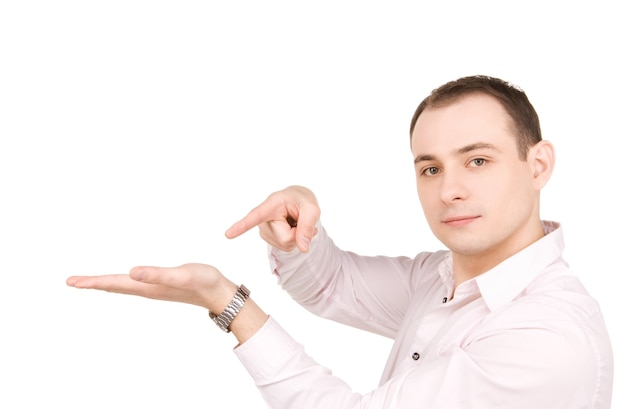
255	217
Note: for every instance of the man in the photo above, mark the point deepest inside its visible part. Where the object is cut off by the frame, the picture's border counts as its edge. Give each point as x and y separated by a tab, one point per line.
495	321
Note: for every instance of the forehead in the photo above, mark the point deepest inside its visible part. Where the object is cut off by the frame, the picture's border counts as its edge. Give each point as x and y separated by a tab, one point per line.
474	118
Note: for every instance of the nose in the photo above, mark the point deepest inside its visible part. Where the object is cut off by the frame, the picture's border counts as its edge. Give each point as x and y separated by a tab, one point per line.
452	187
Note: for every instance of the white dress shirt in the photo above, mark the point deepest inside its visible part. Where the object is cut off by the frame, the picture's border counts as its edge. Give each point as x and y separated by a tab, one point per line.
524	334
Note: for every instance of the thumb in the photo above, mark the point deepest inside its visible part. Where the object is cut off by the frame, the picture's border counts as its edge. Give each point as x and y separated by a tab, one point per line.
306	229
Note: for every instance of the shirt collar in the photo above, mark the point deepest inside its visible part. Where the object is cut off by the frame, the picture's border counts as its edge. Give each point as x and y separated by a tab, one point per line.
507	280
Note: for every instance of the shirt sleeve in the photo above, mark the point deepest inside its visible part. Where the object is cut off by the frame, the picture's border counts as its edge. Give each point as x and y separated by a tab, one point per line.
502	370
367	292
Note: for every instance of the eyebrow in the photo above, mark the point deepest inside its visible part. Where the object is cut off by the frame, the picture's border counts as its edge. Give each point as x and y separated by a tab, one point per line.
460	151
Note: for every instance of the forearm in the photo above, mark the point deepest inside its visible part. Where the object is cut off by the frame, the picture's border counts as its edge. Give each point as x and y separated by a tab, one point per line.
499	377
373	291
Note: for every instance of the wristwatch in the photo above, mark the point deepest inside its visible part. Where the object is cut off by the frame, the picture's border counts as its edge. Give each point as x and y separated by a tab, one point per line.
227	316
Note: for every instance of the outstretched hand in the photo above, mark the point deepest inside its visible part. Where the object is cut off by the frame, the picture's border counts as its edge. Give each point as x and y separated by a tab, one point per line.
286	219
196	284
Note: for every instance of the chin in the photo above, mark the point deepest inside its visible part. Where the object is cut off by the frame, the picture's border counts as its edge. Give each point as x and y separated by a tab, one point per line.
467	247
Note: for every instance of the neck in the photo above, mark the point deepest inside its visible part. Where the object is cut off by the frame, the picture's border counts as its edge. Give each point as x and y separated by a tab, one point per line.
468	266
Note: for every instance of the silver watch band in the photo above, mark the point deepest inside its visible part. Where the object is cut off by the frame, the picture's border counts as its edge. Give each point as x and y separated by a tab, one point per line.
227	316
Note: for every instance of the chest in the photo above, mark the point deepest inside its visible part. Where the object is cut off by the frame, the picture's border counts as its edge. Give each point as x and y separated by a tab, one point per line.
433	327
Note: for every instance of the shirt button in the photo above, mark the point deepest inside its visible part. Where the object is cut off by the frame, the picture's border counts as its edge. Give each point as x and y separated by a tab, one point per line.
445	300
415	356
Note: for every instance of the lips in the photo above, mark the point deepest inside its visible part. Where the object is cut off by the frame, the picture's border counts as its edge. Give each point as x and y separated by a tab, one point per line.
458	221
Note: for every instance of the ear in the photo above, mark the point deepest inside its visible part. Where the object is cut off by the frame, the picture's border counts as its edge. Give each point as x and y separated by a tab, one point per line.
541	159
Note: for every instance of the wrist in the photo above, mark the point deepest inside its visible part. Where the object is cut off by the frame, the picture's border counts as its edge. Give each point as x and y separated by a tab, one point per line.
224	318
218	295
249	319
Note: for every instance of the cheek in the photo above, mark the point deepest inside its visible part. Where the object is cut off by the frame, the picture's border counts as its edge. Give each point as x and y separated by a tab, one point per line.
421	190
427	196
515	189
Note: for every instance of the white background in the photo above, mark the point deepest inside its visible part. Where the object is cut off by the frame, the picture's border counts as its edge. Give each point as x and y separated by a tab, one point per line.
136	132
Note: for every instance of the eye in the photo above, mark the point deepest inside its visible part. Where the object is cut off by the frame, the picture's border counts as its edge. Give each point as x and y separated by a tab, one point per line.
477	162
430	171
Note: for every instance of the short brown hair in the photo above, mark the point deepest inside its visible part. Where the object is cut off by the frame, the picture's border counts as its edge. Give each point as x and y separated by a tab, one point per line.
524	118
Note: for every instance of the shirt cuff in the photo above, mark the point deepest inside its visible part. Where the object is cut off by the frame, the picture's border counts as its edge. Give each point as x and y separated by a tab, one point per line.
269	352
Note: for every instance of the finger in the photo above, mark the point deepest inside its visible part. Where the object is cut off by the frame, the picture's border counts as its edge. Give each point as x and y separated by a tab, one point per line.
147	282
255	217
191	283
116	283
306	227
238	229
139	281
180	284
267	211
279	235
174	277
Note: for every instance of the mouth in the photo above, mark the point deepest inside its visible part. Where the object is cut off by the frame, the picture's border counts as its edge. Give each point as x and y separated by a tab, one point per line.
459	221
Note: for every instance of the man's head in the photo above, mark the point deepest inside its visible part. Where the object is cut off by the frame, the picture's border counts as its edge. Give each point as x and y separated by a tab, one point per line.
524	118
480	163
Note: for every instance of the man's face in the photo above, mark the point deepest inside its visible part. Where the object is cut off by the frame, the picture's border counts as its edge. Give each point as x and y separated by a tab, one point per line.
477	195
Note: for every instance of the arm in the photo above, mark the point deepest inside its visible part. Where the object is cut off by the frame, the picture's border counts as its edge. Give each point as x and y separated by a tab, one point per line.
370	293
512	366
517	365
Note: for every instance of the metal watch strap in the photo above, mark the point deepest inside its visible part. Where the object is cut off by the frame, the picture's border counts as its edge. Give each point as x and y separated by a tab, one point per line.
232	309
